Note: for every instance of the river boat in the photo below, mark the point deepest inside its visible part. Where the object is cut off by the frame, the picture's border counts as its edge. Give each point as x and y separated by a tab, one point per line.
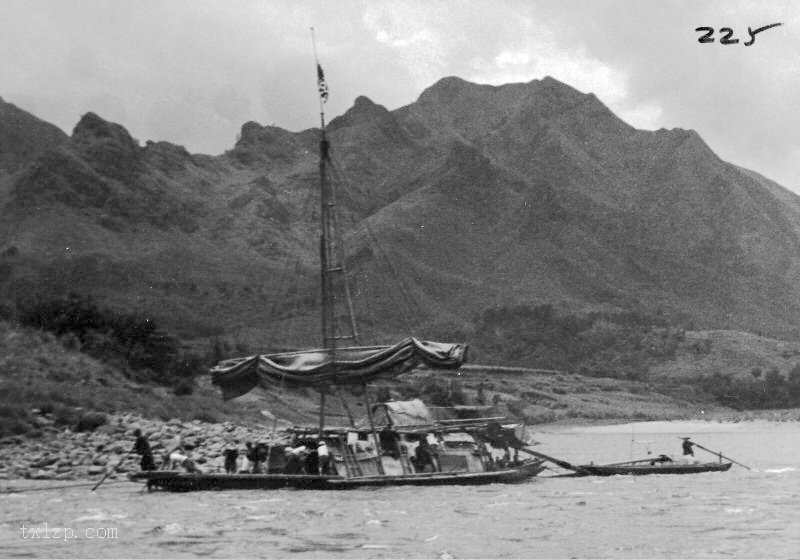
468	451
658	465
371	455
362	458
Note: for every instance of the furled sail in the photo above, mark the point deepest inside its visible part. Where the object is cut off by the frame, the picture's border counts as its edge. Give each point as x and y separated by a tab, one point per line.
317	368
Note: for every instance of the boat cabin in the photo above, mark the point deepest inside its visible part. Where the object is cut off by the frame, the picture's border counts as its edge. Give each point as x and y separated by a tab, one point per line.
403	439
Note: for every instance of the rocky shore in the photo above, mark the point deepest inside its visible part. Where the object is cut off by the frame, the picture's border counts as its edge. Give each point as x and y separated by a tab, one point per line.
68	454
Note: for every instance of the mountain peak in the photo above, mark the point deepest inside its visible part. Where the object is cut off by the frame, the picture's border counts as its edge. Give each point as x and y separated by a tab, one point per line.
92	129
451	82
259	143
254	133
108	147
560	92
363	102
447	89
363	110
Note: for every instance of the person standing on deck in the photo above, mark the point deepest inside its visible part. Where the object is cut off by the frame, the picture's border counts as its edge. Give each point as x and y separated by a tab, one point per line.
424	456
231	454
142	447
687	447
178	457
324	457
252	457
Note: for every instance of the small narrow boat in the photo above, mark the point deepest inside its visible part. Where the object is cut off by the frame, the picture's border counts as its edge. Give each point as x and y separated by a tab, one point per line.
594	470
657	465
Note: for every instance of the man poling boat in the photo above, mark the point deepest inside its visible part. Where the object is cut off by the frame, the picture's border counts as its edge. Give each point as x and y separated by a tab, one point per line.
660	464
688	444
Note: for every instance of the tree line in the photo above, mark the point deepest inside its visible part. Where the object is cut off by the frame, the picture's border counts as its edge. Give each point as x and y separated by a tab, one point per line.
623	344
132	342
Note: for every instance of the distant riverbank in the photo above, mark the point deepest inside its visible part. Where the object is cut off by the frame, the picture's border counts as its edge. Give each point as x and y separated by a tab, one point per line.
730	416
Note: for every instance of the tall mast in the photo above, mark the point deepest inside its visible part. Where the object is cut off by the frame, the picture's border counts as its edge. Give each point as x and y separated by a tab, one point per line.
338	321
335	291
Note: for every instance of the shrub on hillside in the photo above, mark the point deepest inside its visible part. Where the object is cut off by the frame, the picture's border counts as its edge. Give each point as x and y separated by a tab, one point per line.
772	391
619	344
90	421
15	419
124	339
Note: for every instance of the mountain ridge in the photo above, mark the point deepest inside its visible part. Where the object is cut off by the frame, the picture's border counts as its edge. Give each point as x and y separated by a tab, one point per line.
473	196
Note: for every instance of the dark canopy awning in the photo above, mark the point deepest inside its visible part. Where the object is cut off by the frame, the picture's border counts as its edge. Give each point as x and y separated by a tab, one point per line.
315	368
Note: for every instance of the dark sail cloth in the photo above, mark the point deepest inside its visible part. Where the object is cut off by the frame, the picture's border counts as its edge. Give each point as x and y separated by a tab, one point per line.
315	368
142	447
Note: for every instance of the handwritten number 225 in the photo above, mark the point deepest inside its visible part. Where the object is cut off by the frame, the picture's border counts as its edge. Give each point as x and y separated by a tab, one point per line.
727	33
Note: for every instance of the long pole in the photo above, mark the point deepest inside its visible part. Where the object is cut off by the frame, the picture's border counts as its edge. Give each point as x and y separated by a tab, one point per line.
109	472
346	408
271	441
58	487
378	449
720	455
328	314
321	412
559	462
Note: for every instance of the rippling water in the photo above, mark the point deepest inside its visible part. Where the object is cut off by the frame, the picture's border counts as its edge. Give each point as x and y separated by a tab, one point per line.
738	514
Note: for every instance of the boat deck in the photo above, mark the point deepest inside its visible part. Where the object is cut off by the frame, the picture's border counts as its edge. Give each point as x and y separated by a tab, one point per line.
182	481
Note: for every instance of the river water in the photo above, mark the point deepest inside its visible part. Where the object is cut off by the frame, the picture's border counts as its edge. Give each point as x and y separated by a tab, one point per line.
736	514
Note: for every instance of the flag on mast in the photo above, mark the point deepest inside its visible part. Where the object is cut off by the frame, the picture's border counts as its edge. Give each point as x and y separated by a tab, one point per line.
321	85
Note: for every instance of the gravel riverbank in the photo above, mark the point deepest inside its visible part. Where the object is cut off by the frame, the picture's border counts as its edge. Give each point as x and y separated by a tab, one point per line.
64	454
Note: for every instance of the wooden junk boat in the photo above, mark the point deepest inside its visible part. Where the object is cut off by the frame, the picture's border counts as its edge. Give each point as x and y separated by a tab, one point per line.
358	456
459	452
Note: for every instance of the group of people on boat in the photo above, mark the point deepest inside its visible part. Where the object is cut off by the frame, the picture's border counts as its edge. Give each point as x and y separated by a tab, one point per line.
422	452
303	457
307	457
176	455
431	452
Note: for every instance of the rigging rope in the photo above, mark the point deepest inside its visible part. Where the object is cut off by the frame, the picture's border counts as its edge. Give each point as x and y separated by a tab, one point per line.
292	268
406	303
374	243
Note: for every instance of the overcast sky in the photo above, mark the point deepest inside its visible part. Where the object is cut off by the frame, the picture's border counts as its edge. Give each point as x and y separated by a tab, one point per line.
192	72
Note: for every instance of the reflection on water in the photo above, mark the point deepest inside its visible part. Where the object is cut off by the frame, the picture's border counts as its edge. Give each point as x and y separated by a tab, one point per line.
738	514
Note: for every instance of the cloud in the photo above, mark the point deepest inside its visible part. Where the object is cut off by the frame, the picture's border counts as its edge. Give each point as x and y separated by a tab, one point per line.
192	71
413	35
574	68
740	99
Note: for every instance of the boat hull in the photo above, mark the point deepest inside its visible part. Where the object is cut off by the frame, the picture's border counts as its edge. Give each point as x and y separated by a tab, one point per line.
186	482
599	470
